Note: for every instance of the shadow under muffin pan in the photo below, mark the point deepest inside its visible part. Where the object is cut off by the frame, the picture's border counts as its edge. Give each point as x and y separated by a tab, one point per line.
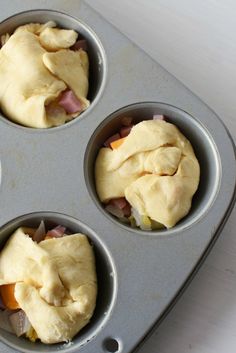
200	139
140	274
96	54
106	275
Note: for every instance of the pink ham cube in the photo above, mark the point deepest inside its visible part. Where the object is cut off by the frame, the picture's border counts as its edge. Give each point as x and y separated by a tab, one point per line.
70	102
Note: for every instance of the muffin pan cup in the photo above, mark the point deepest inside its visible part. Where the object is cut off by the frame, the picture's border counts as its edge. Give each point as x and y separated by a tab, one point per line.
52	170
106	278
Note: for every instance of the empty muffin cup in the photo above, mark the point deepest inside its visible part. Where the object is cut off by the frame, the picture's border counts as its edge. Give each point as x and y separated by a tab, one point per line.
56	97
106	278
199	137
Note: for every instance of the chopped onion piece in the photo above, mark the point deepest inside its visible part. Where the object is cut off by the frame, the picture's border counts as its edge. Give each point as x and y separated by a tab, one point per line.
127	210
142	221
158	117
5	321
111	139
119	207
80	44
70	102
56	232
40	232
124	220
20	323
120	202
54	111
115	211
136	216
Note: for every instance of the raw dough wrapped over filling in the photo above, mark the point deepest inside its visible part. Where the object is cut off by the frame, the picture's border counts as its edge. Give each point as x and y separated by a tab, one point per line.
149	175
43	78
50	276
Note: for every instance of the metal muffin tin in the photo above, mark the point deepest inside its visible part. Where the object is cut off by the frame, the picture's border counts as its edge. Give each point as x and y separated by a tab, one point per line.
49	174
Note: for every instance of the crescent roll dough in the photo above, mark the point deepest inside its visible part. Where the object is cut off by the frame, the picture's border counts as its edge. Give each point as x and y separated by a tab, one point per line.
155	169
55	280
71	67
27	85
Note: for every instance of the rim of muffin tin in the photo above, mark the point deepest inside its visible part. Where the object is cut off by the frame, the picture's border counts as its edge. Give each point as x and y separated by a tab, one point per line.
101	61
104	266
211	153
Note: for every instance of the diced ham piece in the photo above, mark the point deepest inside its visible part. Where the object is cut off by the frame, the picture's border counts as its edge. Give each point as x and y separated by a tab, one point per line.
70	102
127	210
119	207
40	232
124	131
126	120
56	232
111	139
115	211
158	117
119	202
80	44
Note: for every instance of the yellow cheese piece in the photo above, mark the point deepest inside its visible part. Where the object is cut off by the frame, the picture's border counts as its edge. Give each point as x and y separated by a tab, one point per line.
116	144
155	168
55	282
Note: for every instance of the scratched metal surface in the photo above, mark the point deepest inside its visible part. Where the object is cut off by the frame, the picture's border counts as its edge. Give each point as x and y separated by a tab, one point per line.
45	171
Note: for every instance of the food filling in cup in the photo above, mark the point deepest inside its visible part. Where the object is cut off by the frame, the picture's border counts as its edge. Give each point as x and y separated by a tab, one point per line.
48	283
147	173
44	72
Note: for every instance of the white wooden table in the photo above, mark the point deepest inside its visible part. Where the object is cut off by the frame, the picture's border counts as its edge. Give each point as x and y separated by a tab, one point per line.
195	41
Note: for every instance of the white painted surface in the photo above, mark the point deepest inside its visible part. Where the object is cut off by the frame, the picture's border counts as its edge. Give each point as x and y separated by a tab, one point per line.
196	42
193	39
